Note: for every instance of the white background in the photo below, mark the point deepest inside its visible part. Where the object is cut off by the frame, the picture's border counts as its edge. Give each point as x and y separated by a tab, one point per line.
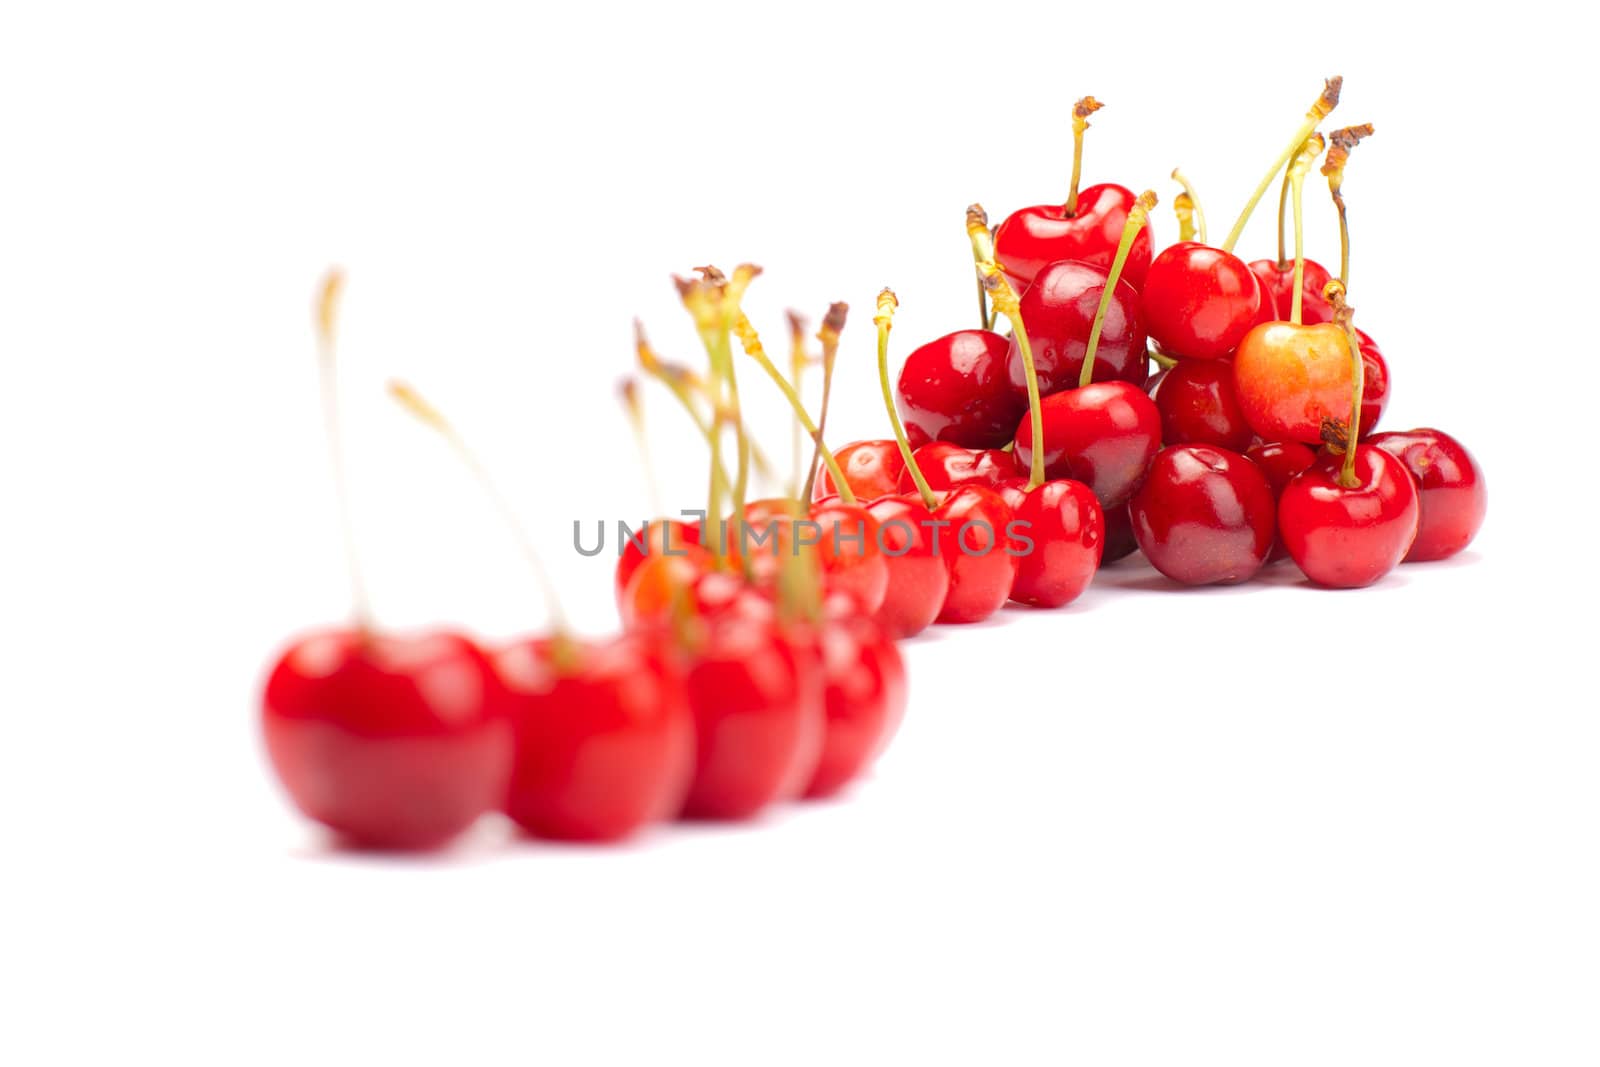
1269	825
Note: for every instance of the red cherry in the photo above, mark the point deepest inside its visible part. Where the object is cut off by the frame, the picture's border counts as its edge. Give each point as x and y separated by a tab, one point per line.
1204	515
657	585
1280	461
946	466
1375	383
955	389
655	537
1279	283
1268	311
1198	406
759	719
851	552
918	577
1199	301
605	737
1065	535
1120	542
1349	537
1035	237
1103	435
1291	379
1058	310
872	468
864	692
1452	495
972	541
389	741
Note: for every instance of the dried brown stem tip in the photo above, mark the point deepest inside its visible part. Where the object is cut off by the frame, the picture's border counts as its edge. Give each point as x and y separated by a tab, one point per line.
1334	294
1341	142
1328	100
797	327
1146	200
887	302
1082	110
833	322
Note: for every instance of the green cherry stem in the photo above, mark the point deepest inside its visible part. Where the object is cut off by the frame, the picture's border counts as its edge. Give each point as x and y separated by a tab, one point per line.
832	327
1080	122
1343	313
1191	216
326	321
884	321
750	341
1319	111
1004	298
1137	215
1297	183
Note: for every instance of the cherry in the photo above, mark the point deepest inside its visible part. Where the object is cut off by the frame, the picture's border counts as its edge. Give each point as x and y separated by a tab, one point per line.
759	719
1198	406
1103	435
655	589
1085	228
655	537
945	466
1120	542
390	741
1349	534
1059	310
1375	392
1278	279
1204	515
872	469
605	737
1199	301
955	389
850	548
864	694
918	577
1452	494
1280	461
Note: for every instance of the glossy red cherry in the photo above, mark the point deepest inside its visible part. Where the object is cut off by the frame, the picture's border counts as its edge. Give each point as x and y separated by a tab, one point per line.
1349	537
1035	237
1058	310
1103	435
1198	406
390	741
1198	301
1279	282
1290	380
1452	495
654	537
864	692
955	389
1280	461
918	577
656	587
1204	515
946	466
1062	533
971	539
872	468
759	719
850	550
604	734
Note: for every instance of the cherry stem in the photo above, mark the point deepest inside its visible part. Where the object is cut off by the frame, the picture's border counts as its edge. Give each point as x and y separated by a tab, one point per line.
681	383
1341	142
832	327
1004	298
884	321
750	340
797	370
1343	314
1161	359
1080	122
633	405
703	299
1137	216
1191	216
326	321
430	416
1283	211
983	306
732	295
1319	111
1297	182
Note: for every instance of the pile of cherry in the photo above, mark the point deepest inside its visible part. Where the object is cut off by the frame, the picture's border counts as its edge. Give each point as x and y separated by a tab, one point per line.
757	662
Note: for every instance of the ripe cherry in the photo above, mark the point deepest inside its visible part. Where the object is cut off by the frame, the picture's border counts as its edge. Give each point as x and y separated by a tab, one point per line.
850	550
1085	228
1278	279
1452	495
1059	310
655	537
1199	301
1204	515
956	389
655	589
605	736
1348	534
864	694
1292	380
1198	405
1280	461
918	576
759	719
944	466
872	468
1103	435
390	741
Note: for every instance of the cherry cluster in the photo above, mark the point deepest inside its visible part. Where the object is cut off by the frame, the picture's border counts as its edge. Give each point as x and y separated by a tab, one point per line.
757	661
